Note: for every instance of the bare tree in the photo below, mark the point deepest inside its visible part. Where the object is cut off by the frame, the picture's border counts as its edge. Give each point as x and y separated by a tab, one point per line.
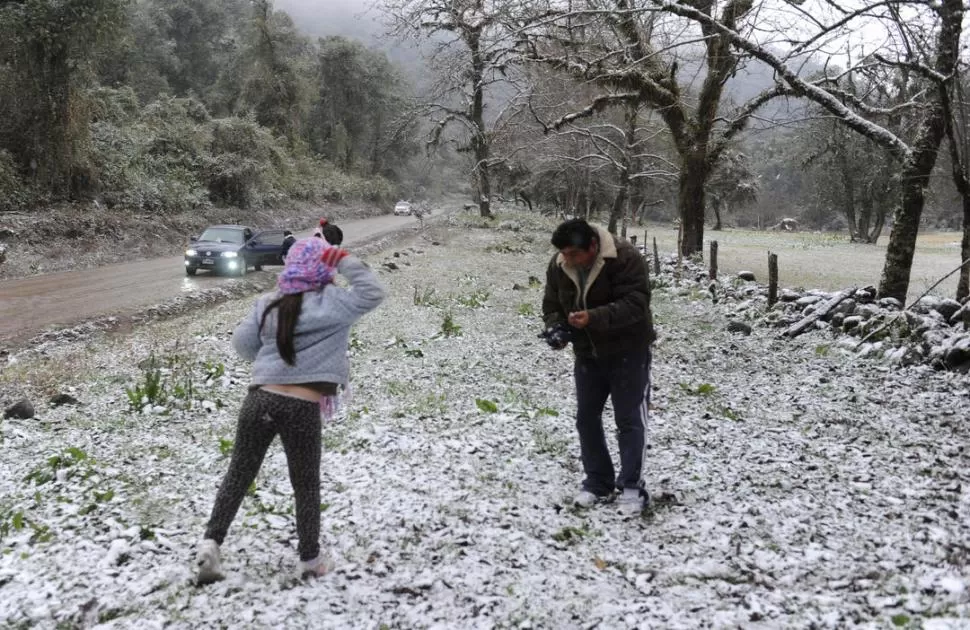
939	22
621	47
469	49
609	157
958	135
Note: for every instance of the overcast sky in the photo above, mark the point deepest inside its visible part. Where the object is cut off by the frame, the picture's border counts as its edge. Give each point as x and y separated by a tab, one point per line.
350	18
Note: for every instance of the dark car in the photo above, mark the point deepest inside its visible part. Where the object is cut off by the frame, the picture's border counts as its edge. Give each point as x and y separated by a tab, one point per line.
233	249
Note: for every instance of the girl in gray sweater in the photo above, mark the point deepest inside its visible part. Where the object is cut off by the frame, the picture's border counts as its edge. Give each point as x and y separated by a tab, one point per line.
297	340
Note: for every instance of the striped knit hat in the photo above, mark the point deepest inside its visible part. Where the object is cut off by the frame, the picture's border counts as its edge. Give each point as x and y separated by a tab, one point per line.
305	269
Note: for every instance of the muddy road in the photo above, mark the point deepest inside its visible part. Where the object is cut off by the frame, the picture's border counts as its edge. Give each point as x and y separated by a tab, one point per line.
31	305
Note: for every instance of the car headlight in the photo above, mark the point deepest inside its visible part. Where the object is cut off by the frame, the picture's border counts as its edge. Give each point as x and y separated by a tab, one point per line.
191	252
229	254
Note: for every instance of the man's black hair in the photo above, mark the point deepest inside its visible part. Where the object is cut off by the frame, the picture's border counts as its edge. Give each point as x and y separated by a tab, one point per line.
333	234
573	233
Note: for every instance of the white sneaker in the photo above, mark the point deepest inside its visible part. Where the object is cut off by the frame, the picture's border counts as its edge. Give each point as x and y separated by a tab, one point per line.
208	562
586	499
631	501
318	567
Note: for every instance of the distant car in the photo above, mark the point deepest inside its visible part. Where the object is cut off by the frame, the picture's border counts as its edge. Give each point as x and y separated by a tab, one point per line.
402	208
232	249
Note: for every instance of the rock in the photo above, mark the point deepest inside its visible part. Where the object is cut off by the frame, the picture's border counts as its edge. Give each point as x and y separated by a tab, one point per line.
865	296
7	233
746	275
890	303
957	355
518	287
850	322
948	308
397	254
64	399
912	356
919	325
21	410
866	311
846	307
926	304
837	319
391	266
787	295
808	300
739	327
963	315
509	225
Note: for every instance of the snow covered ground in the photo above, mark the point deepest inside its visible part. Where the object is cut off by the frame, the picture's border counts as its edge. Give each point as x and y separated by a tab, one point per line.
794	486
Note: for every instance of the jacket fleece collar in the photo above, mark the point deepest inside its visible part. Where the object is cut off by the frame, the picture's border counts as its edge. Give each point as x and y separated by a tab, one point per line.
607	250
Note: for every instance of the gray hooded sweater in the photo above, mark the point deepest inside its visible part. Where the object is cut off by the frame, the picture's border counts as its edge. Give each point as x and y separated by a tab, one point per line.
322	331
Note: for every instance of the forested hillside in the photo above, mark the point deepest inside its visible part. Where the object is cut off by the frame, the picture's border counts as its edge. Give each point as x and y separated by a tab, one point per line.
166	106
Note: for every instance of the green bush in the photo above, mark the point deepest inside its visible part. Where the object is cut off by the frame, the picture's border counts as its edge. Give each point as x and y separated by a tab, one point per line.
172	156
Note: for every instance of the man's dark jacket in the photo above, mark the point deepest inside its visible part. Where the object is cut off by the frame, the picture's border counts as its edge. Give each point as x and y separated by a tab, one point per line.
617	298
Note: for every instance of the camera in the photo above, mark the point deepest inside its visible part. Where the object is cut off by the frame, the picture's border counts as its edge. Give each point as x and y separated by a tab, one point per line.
557	336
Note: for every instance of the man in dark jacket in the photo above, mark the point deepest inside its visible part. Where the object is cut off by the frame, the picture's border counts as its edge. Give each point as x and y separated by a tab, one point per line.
598	296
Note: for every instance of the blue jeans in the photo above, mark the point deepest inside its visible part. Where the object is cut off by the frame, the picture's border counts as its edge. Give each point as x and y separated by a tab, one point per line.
625	379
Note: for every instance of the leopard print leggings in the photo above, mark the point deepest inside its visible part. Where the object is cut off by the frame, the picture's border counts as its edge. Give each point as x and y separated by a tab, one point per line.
263	415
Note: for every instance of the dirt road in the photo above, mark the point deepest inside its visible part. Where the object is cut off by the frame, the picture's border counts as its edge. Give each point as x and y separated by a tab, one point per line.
30	305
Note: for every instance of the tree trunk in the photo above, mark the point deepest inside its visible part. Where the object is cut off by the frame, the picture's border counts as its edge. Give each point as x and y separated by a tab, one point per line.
484	186
619	203
918	166
480	142
963	285
848	201
693	176
876	231
902	239
865	217
716	207
915	178
54	144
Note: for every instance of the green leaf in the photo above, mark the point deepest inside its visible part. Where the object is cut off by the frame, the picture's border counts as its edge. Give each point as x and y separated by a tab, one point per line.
486	406
900	620
706	389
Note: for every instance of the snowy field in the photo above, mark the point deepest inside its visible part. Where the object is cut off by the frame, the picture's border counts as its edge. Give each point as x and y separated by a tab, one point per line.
794	487
822	260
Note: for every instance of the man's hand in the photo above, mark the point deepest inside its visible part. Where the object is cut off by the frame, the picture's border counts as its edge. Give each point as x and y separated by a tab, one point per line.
579	319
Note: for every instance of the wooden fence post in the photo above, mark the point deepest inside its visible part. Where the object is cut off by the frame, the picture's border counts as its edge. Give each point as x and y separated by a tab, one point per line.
656	258
772	279
713	272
